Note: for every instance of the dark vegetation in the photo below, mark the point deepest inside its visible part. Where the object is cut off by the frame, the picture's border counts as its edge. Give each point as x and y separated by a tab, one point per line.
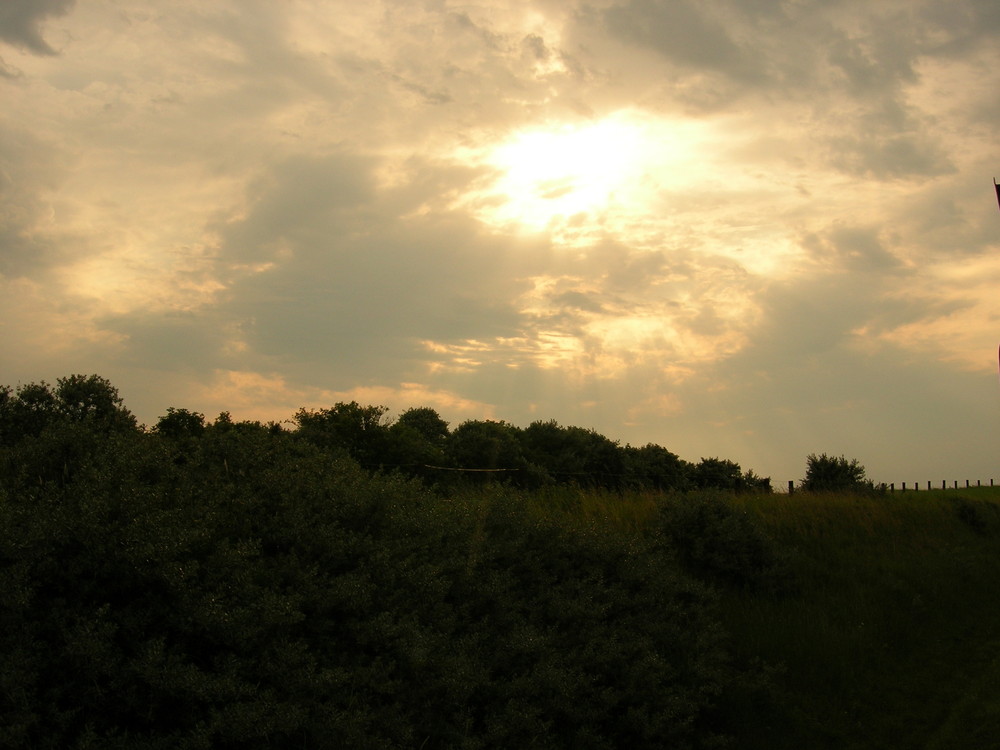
236	584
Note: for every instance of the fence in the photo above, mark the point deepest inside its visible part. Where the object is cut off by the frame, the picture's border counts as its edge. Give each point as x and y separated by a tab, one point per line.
891	487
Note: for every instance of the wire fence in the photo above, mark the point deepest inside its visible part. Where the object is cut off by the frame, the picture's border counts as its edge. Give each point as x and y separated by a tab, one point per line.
918	486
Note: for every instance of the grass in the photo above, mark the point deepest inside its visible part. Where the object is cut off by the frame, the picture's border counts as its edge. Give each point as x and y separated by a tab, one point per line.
890	637
888	633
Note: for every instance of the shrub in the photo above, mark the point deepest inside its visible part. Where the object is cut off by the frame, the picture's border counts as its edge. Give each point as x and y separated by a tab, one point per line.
831	474
262	594
721	545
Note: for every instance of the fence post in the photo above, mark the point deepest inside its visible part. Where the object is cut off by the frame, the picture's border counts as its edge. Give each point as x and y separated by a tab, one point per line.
791	486
928	485
966	482
956	484
904	486
942	484
892	486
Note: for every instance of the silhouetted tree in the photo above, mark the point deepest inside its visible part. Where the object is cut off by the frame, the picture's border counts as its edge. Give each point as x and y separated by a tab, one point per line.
360	431
426	422
834	474
718	473
485	444
574	454
654	467
34	407
180	423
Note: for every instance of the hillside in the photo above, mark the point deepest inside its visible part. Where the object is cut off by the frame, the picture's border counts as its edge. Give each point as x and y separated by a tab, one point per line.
239	586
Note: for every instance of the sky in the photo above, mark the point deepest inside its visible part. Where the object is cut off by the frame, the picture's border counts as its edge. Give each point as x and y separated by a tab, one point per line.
746	229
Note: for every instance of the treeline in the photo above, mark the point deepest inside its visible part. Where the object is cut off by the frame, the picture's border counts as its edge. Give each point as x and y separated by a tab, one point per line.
238	585
418	443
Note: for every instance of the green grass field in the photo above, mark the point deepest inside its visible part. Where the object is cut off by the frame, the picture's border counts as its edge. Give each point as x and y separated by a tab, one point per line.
885	628
890	634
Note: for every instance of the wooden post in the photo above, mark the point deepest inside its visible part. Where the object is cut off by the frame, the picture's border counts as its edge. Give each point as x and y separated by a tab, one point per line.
956	484
966	482
928	485
892	486
942	484
791	486
904	486
978	483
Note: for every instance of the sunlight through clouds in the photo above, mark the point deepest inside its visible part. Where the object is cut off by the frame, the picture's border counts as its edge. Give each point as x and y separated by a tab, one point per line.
565	171
581	179
680	222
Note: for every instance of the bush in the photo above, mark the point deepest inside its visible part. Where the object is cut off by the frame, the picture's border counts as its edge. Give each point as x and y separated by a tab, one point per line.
829	474
260	593
721	545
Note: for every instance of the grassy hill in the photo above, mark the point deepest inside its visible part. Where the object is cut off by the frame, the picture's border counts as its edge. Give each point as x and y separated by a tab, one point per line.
888	634
873	621
241	587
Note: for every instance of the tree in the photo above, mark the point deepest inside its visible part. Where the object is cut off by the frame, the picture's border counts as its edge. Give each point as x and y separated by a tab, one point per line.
485	444
718	473
361	431
180	423
82	399
574	454
91	397
654	467
831	474
426	422
417	441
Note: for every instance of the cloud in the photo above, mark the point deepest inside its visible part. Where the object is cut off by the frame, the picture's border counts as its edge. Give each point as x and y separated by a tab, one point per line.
29	173
683	33
262	206
21	20
326	269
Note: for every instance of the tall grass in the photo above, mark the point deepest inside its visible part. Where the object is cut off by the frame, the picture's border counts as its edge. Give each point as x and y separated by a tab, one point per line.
882	628
895	615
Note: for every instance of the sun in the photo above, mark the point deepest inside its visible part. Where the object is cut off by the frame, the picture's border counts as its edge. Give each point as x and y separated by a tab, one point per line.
567	171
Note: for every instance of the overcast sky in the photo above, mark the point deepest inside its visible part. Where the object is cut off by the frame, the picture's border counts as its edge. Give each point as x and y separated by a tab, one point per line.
751	229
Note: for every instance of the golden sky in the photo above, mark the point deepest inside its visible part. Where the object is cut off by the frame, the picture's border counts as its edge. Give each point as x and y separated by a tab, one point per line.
752	229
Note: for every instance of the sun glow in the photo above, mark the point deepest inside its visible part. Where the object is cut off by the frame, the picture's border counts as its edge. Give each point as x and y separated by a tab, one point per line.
567	172
579	178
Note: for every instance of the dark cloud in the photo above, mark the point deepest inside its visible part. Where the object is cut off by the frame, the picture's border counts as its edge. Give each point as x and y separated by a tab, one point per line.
171	341
683	33
353	279
28	170
888	156
21	21
303	202
958	29
874	64
857	249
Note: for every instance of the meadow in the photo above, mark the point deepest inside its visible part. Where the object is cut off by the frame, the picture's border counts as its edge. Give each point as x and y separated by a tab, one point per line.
890	637
239	586
872	618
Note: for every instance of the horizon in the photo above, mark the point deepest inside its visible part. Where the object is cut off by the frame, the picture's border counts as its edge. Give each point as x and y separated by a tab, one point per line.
737	230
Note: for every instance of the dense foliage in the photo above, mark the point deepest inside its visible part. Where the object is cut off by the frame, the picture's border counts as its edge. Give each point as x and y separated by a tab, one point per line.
835	474
545	453
233	584
362	583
